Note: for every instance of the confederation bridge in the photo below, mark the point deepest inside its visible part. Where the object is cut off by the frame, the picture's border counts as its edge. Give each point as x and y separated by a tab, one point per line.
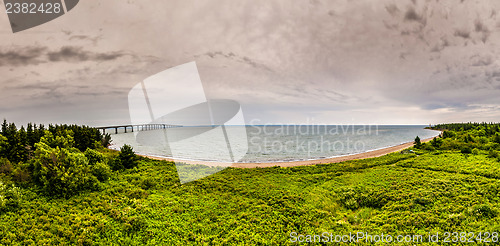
143	127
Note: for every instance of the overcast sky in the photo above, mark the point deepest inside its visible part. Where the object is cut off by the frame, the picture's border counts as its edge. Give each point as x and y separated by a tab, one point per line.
314	61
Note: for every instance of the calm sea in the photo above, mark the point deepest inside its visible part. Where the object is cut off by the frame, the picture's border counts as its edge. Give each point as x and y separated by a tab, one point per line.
268	143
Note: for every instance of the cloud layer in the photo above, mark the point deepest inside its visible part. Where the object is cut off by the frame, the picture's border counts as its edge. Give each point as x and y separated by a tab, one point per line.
388	62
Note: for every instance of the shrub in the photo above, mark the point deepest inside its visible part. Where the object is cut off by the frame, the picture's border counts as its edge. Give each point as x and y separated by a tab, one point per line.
496	138
417	142
465	150
475	151
448	134
21	175
66	141
106	140
493	153
126	159
360	196
148	183
436	142
10	197
60	172
426	146
116	164
94	156
138	194
5	166
101	171
4	148
482	211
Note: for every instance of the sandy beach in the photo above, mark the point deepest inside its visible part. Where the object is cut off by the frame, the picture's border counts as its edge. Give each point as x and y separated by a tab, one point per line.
364	155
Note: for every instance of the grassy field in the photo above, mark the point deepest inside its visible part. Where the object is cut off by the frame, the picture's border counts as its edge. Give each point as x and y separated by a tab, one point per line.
432	191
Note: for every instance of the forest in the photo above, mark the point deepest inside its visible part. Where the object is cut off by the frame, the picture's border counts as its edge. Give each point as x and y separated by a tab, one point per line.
61	185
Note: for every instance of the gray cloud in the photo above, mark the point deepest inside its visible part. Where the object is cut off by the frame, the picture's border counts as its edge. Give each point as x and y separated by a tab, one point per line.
232	56
479	26
462	33
442	44
33	55
478	61
93	40
77	54
483	30
392	9
372	60
22	56
412	15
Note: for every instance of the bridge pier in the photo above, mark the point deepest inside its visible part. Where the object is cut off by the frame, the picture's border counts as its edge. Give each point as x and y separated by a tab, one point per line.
141	127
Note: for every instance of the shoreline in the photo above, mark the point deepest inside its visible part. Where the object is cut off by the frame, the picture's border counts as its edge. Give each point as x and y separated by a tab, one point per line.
364	155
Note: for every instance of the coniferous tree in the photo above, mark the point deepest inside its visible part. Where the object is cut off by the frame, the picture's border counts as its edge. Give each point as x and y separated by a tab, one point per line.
23	136
17	152
496	139
126	159
30	134
11	131
4	127
417	142
4	148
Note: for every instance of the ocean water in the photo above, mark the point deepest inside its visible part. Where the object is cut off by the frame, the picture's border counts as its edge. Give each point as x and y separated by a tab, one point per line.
268	143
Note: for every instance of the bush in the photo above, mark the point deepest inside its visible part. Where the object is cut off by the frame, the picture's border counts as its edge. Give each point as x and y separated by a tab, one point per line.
10	198
4	148
60	172
360	196
496	138
101	171
116	164
475	151
106	140
417	142
138	194
126	159
493	153
5	166
436	142
482	211
21	175
465	150
66	141
426	146
94	156
448	134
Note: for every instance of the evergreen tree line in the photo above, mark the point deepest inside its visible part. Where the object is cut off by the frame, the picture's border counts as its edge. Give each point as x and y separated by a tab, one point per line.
489	129
466	137
61	160
18	145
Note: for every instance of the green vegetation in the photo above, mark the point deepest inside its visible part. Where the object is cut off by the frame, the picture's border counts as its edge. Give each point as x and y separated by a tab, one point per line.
417	142
126	159
438	188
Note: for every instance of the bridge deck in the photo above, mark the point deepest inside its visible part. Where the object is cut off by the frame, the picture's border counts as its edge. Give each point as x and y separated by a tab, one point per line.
141	127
